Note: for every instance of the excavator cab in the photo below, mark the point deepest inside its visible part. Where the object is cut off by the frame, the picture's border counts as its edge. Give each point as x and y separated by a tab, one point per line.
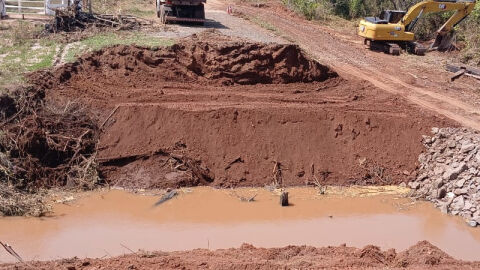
392	16
387	16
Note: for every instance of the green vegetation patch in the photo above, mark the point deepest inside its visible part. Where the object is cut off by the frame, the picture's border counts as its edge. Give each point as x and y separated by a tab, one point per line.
109	39
140	8
21	51
263	24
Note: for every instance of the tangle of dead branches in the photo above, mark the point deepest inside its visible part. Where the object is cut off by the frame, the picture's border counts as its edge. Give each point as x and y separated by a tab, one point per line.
46	146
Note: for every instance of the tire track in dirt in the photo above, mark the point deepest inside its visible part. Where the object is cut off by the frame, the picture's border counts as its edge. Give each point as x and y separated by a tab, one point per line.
348	62
456	110
210	106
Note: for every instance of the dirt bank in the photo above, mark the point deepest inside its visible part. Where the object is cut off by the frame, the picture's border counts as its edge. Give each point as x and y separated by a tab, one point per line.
211	110
420	256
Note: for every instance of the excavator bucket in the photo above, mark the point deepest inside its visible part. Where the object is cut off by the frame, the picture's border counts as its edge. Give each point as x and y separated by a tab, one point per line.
443	41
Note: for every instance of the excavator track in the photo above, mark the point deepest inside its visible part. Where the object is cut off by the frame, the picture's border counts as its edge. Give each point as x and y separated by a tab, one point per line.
386	47
392	48
416	48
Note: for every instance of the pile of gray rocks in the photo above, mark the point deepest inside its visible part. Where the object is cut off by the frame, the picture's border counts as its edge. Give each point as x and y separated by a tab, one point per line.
449	172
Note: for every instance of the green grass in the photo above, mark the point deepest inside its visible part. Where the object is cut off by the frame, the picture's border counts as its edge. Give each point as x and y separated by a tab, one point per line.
109	39
144	13
24	57
21	51
45	58
263	24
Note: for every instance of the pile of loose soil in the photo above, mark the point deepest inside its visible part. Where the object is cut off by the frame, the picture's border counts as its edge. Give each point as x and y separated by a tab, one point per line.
420	256
221	63
215	111
449	172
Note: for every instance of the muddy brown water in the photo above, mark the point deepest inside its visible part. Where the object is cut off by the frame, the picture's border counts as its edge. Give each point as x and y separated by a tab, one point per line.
109	223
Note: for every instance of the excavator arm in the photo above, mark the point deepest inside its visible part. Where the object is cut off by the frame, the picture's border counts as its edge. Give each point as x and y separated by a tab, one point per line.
462	10
444	36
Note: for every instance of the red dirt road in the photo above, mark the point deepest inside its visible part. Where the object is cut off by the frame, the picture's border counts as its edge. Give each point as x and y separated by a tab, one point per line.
419	80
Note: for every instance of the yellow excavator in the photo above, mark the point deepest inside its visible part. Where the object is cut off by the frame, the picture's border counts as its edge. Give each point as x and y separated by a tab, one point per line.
392	30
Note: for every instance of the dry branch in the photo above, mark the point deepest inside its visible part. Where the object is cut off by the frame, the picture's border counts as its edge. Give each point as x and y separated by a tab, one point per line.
244	199
109	116
10	251
49	145
71	19
277	174
167	196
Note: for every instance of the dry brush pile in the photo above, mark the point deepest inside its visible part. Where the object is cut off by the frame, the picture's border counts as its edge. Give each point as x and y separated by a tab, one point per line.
449	173
43	146
73	19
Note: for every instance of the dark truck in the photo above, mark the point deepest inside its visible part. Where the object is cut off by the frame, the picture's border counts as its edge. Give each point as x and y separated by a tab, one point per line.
192	11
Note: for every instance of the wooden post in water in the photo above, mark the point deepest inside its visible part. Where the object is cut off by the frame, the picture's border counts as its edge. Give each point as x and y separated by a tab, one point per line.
284	198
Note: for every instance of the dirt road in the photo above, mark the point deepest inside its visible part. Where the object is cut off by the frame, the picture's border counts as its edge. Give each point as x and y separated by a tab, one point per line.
218	19
420	80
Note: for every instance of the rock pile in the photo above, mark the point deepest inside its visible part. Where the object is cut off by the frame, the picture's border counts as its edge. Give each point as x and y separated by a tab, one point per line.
449	172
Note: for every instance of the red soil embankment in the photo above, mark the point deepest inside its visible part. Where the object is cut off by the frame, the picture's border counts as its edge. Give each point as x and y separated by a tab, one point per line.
215	111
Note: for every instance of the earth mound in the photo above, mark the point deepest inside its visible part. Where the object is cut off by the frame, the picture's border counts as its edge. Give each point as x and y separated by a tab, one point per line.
221	63
210	110
423	255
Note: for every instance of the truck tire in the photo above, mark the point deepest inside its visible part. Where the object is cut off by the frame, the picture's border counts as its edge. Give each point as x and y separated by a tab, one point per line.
199	13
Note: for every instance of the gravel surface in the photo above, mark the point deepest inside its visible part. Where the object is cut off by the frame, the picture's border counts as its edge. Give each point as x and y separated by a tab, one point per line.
227	25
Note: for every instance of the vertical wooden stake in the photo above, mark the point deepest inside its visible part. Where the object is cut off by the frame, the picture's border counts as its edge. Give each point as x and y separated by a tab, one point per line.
284	198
